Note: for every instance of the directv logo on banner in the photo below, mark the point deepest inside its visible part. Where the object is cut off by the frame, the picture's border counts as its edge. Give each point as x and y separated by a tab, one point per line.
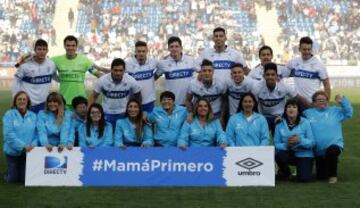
55	165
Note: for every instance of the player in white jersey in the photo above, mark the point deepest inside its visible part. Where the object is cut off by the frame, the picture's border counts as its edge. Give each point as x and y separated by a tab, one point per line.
210	88
237	87
117	88
35	75
272	94
143	68
178	69
265	56
308	71
222	56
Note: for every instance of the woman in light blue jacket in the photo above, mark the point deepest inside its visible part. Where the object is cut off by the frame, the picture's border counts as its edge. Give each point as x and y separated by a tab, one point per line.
95	132
247	127
53	123
132	130
294	144
326	124
19	129
204	131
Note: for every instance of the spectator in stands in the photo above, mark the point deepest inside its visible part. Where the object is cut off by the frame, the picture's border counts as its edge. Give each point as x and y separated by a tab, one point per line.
326	122
294	144
53	123
133	130
95	132
19	130
205	130
247	127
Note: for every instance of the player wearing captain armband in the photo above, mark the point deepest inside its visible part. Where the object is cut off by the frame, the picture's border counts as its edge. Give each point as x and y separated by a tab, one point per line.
72	68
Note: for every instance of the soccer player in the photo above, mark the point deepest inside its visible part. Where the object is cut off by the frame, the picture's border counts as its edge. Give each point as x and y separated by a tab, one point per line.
143	68
167	120
72	68
272	94
265	56
117	88
178	69
308	71
222	56
326	125
210	88
34	76
237	86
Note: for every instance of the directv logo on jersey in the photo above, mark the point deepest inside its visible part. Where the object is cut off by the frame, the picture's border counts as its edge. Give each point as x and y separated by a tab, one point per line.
249	164
178	74
222	64
55	165
142	75
306	74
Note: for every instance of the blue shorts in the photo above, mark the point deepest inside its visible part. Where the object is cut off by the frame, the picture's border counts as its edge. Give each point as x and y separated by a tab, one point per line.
112	118
148	107
38	107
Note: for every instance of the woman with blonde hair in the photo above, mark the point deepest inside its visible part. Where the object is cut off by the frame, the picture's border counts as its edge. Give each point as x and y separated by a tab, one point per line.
54	123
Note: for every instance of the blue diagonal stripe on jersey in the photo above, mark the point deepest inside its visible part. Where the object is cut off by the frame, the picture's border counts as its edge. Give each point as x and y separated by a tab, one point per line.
115	94
271	102
143	75
301	73
38	80
179	74
222	64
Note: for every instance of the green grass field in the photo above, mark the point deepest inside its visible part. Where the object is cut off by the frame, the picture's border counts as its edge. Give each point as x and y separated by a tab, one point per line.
345	193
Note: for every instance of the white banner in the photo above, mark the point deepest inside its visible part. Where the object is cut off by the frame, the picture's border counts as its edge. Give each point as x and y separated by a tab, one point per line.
208	166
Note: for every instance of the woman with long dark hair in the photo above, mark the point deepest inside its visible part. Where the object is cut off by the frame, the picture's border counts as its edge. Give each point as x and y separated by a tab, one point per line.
132	130
204	130
294	142
19	129
247	127
95	132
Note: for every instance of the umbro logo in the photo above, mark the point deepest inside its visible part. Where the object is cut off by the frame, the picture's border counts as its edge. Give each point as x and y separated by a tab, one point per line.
249	163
